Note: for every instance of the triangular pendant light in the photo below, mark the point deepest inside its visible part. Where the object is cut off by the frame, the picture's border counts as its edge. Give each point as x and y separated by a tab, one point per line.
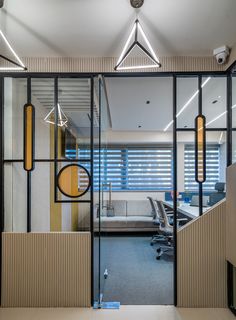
18	64
130	46
62	118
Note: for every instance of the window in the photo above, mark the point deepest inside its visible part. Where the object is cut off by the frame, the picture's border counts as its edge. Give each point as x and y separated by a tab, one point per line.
133	168
212	167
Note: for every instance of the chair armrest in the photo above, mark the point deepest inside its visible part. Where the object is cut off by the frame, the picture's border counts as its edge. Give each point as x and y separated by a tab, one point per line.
182	219
157	222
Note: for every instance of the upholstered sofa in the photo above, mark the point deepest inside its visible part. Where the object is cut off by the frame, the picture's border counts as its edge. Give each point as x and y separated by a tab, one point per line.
128	215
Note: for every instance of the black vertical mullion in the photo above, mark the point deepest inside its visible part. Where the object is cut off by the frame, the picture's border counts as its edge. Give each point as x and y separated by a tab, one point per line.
175	186
29	172
91	187
100	205
229	119
1	176
200	187
55	135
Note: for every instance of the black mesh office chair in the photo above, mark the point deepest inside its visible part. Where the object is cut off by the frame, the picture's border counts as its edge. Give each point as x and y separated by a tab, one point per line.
218	195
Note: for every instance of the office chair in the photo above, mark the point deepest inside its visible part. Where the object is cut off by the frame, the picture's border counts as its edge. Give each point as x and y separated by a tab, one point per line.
165	229
219	195
156	221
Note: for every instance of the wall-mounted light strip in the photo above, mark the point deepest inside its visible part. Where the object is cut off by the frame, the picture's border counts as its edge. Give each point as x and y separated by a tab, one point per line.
19	64
200	149
187	103
29	129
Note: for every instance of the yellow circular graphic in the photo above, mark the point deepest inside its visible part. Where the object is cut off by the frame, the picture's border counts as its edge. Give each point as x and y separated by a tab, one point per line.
73	180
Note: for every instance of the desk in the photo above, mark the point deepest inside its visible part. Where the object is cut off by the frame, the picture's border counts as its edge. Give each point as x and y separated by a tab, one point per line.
186	209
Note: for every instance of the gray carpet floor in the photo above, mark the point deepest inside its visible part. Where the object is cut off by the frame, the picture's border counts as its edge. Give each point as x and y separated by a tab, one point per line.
135	277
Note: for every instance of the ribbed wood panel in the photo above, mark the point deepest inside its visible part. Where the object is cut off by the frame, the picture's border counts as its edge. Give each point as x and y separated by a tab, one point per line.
201	273
106	64
46	270
231	214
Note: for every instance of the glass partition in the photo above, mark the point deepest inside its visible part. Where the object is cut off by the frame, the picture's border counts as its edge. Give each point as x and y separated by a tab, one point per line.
34	200
214	101
216	163
187	102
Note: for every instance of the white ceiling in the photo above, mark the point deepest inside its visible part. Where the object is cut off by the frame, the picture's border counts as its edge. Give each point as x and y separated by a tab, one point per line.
100	27
129	110
128	103
74	99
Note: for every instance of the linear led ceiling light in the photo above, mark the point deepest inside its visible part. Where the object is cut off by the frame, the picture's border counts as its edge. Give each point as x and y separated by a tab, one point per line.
18	64
62	118
131	45
187	104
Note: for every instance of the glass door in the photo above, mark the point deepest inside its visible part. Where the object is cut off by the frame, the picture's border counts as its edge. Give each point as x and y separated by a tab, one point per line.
102	195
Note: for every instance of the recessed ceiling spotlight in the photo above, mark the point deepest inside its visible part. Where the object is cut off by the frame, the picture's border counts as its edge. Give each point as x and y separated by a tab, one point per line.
148	102
139	126
136	3
214	101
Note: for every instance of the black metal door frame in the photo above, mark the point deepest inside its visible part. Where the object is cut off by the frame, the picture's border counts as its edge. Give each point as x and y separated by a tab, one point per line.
91	76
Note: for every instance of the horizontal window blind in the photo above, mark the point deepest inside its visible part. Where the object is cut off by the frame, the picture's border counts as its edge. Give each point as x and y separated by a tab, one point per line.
212	167
133	168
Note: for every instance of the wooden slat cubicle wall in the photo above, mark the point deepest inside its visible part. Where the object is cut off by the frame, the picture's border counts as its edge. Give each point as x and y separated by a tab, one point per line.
201	273
231	214
46	270
106	64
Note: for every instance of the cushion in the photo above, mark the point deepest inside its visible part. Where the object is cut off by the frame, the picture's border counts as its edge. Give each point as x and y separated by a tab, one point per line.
139	208
140	222
112	222
119	207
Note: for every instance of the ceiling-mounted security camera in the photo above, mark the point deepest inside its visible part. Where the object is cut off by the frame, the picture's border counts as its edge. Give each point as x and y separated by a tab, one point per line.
221	54
1	3
136	3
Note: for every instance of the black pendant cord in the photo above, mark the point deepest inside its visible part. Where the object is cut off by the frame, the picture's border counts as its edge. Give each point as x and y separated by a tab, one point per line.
28	172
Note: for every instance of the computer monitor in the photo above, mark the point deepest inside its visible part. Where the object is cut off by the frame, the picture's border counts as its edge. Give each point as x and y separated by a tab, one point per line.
195	201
